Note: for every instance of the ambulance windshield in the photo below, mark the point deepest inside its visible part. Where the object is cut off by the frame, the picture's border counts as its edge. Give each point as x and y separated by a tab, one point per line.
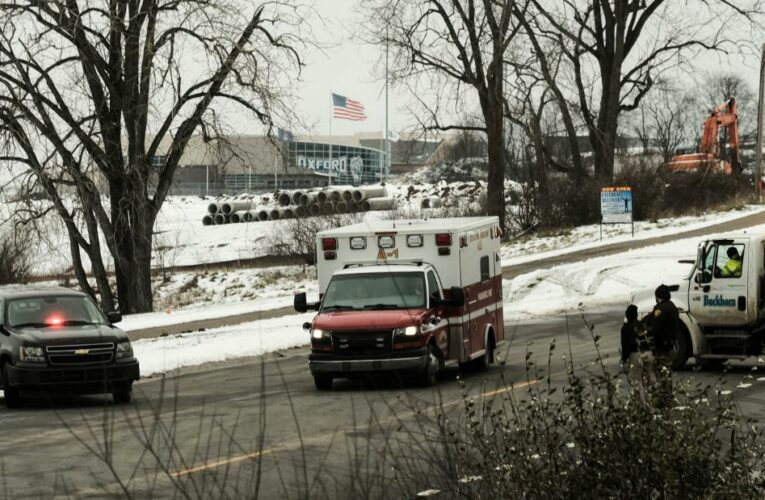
375	291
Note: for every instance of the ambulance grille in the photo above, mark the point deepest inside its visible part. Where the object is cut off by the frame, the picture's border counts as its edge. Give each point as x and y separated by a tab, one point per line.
363	342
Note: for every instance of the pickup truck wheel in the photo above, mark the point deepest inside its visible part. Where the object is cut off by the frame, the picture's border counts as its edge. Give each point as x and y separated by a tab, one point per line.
322	382
683	350
12	394
123	395
427	377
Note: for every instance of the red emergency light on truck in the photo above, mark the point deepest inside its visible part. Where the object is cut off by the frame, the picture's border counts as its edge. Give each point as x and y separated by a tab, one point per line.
409	296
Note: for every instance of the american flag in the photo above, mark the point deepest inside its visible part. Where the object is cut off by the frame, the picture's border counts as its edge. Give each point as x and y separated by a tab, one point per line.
348	109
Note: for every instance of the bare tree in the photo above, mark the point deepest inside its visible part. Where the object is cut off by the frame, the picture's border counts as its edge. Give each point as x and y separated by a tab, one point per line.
100	98
618	48
451	47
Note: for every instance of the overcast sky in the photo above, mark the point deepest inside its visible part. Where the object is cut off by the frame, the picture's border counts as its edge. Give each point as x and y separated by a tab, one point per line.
348	66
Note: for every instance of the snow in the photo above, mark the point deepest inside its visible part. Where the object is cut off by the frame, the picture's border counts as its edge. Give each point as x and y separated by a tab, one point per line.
165	354
523	250
601	282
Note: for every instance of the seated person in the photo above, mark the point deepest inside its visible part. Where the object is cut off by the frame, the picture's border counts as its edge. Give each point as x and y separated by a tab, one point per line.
732	268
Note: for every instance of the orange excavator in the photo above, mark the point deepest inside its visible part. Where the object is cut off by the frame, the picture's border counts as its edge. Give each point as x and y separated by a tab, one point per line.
709	155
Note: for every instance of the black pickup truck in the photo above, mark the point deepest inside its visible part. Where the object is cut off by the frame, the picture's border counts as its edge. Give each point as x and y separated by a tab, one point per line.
57	340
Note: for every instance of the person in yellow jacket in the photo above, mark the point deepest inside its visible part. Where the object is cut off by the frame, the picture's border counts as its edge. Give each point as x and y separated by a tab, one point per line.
732	268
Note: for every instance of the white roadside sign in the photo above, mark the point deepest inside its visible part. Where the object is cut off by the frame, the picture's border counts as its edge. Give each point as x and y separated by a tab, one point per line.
616	205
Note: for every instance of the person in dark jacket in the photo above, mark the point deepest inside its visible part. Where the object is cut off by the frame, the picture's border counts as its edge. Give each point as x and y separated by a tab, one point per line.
664	325
636	354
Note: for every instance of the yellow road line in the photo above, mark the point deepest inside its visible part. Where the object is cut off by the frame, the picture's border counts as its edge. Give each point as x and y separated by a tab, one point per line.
258	454
510	388
214	465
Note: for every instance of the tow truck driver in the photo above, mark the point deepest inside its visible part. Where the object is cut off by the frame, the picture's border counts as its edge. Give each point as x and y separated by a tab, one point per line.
732	268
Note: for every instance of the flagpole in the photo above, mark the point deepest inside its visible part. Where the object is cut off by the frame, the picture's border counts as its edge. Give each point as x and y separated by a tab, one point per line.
331	106
387	139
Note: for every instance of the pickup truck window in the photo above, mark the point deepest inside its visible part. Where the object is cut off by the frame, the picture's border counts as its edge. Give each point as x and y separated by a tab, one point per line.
375	291
52	311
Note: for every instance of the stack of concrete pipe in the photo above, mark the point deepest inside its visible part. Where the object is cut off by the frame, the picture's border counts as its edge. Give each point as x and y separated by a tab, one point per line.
301	203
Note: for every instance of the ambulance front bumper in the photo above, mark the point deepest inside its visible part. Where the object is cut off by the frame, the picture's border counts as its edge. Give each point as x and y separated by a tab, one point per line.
329	364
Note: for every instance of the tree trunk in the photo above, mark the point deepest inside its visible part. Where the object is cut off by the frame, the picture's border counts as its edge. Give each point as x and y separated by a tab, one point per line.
540	170
133	222
495	196
79	271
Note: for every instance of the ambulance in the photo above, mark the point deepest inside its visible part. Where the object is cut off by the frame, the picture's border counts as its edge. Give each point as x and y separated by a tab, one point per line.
407	296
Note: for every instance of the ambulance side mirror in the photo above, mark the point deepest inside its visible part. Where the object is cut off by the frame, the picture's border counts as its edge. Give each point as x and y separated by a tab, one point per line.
301	304
457	298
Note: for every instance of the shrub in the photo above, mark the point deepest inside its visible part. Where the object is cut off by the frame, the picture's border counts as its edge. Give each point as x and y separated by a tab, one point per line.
15	256
589	439
297	237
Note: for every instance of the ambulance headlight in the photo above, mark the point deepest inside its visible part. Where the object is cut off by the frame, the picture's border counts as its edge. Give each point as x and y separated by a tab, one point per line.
318	334
408	331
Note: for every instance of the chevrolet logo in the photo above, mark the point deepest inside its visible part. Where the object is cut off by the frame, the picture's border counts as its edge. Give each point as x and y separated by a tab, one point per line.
82	352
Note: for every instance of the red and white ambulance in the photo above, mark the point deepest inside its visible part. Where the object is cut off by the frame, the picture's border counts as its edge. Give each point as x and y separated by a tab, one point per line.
409	296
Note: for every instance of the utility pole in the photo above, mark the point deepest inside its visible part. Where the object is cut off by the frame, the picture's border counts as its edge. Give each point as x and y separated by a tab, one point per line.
760	103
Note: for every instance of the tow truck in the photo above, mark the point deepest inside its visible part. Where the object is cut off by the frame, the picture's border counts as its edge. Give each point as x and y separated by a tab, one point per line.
407	296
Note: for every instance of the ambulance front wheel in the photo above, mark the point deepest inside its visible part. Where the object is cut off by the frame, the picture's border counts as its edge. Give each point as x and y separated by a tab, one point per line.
322	382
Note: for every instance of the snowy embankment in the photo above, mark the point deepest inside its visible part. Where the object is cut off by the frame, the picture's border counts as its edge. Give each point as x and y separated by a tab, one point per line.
165	354
602	282
535	248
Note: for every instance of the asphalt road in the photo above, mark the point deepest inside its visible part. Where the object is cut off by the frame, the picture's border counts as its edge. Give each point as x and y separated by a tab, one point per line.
508	272
203	428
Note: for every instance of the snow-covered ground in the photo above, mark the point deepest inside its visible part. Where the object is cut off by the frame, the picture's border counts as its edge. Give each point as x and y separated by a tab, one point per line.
614	280
584	237
165	354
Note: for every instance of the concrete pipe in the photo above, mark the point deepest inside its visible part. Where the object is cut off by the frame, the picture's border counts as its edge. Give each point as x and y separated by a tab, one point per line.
335	195
213	208
207	220
381	203
301	211
429	203
314	209
248	217
296	195
308	198
230	207
284	198
347	195
353	206
222	219
361	194
289	212
341	207
322	196
239	216
327	208
365	206
274	214
262	215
